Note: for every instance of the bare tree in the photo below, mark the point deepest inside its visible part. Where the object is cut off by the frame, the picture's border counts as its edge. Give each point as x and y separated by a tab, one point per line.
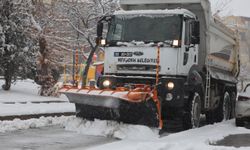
56	38
62	27
220	6
83	17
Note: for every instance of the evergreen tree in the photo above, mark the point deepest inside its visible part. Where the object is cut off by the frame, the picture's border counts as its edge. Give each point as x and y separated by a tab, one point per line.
2	41
17	49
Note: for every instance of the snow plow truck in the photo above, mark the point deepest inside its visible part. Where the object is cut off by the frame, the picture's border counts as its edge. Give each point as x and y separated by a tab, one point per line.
166	62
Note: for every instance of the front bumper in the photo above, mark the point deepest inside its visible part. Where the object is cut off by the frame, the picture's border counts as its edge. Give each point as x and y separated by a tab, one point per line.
178	92
242	109
170	108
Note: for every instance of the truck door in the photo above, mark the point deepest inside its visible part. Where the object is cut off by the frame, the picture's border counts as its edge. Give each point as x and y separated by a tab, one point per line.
189	50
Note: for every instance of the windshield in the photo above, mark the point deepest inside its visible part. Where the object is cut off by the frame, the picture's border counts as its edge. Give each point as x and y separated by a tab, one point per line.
146	28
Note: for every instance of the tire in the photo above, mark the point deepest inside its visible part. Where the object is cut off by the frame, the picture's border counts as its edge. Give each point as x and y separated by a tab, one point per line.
233	104
78	110
192	119
223	112
209	117
82	111
239	122
92	112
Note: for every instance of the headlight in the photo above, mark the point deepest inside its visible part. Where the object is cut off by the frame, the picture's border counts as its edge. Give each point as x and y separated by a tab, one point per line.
176	43
103	42
170	85
106	83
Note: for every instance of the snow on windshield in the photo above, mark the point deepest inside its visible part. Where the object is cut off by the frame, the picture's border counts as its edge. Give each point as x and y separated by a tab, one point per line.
144	27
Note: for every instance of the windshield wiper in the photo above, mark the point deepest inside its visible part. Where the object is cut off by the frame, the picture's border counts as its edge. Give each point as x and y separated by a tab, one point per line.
155	43
140	43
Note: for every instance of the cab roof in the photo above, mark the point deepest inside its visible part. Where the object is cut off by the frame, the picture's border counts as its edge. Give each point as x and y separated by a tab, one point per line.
156	12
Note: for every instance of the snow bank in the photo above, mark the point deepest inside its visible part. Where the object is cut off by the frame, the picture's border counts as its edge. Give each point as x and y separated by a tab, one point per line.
95	128
17	124
136	137
111	129
40	108
23	99
194	139
25	91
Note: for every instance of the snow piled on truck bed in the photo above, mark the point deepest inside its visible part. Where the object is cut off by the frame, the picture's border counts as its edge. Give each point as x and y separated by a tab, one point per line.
153	12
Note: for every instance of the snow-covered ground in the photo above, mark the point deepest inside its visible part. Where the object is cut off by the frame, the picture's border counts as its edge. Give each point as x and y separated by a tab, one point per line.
23	99
111	129
133	137
136	137
195	139
25	91
17	124
29	108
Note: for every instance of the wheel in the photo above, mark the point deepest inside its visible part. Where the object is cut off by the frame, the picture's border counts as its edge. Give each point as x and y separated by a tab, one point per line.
226	106
209	117
192	119
223	112
239	122
91	113
233	103
82	111
78	110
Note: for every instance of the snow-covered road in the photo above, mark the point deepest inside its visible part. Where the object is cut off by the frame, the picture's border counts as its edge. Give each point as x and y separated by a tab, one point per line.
71	133
49	138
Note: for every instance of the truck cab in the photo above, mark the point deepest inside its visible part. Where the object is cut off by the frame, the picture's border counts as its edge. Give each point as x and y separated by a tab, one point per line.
133	36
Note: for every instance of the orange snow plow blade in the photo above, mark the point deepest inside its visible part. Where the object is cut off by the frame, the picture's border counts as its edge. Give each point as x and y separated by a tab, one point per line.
137	106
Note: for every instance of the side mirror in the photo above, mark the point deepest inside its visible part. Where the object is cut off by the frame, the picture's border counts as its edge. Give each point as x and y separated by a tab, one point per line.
195	37
99	32
99	29
247	88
